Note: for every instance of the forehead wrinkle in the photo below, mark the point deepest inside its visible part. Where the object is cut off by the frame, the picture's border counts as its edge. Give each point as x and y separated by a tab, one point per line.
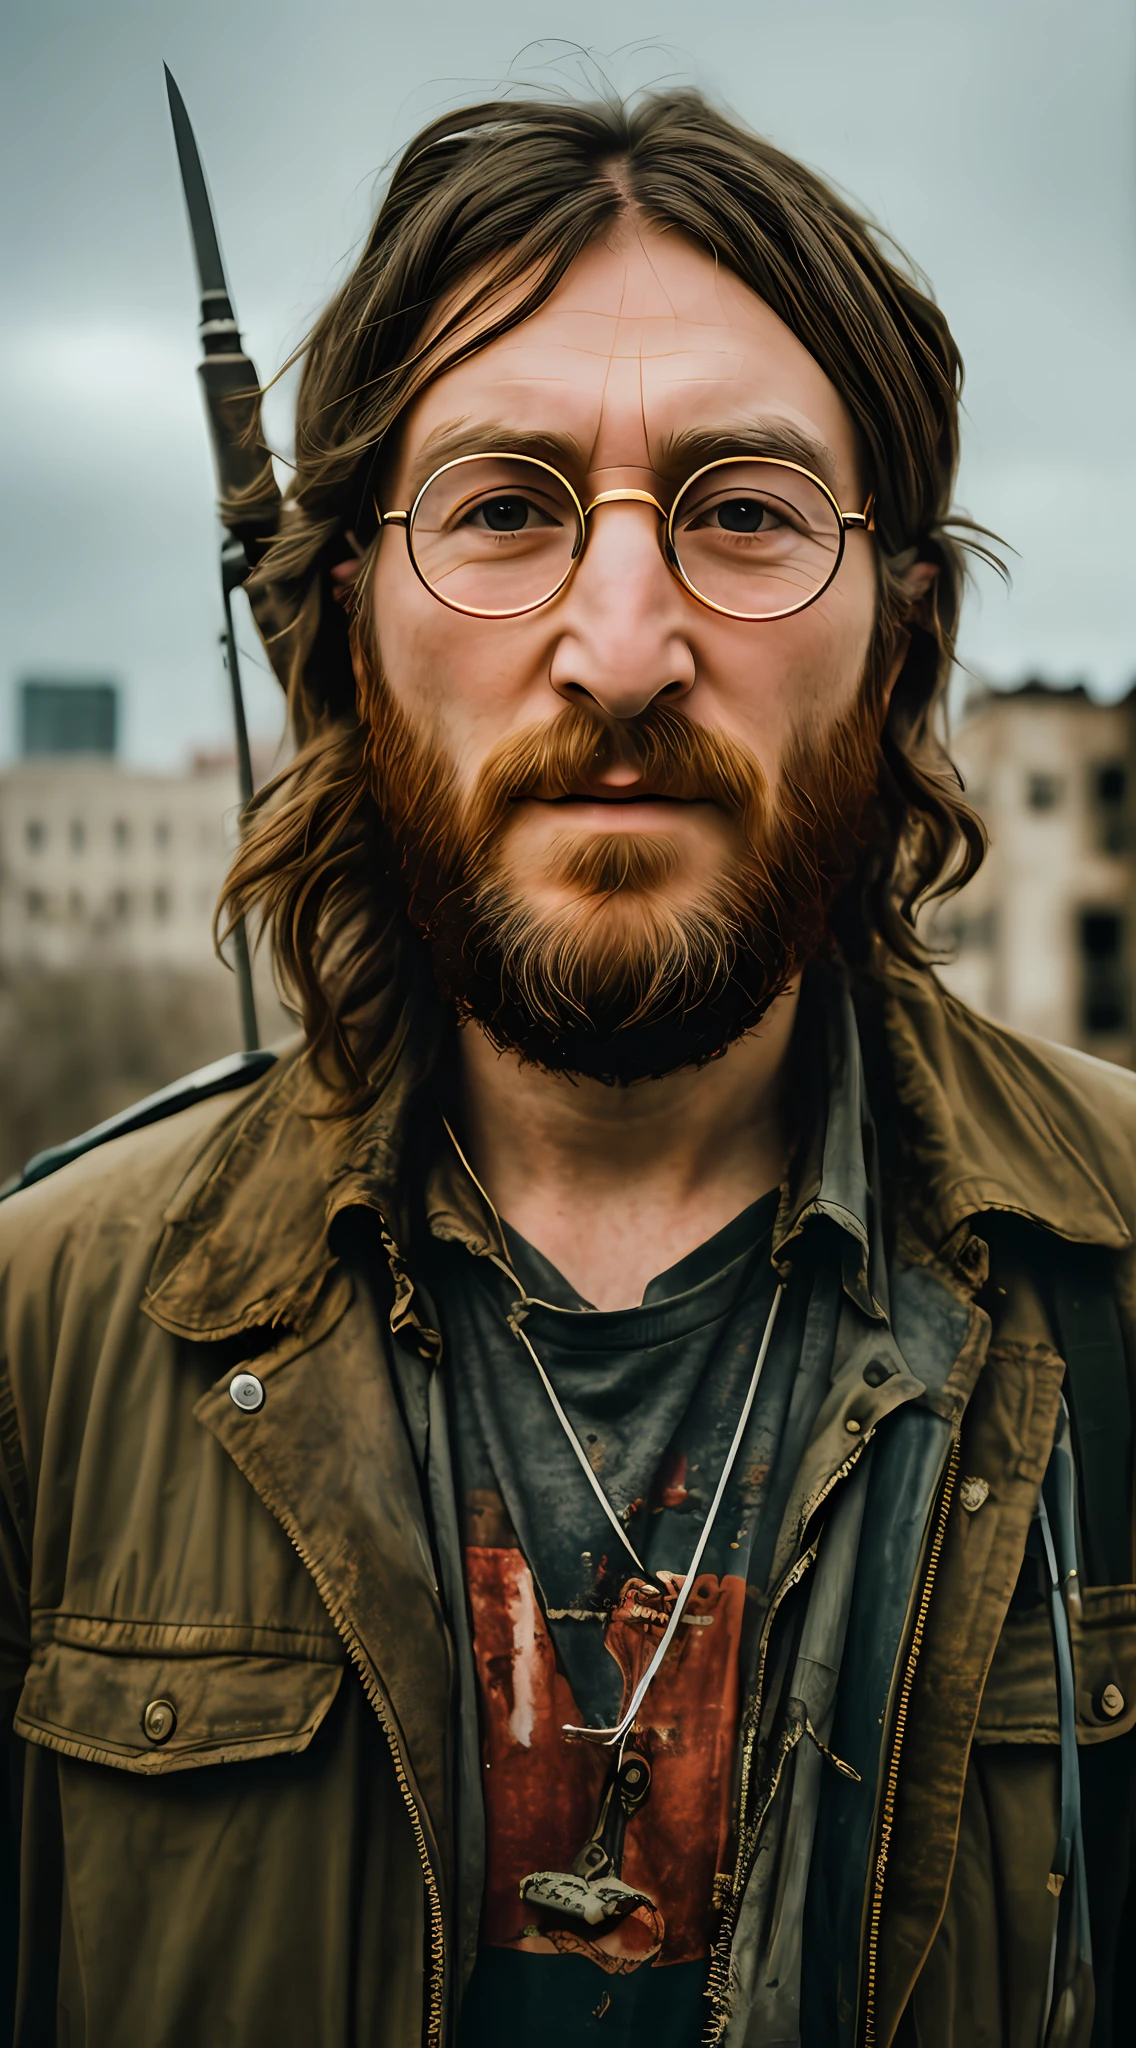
559	379
623	337
598	351
620	406
716	368
670	336
593	451
529	333
643	402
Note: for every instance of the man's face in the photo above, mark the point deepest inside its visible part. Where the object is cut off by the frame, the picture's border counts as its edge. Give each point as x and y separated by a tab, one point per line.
645	345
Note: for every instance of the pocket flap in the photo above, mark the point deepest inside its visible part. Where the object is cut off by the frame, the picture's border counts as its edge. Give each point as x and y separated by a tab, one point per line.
1103	1624
155	1714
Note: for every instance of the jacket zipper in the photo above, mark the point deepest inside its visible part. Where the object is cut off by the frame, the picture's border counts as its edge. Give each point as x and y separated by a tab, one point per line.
891	1782
717	1987
375	1696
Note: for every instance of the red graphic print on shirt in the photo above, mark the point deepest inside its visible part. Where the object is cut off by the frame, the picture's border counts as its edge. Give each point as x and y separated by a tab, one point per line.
543	1790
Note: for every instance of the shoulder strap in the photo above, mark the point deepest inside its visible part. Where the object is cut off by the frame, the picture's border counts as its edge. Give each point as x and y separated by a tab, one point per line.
236	1071
1083	1299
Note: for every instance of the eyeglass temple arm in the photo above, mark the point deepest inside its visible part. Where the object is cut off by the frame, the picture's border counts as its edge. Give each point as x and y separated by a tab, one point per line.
865	520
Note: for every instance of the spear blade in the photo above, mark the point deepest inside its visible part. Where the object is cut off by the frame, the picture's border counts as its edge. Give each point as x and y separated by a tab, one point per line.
248	494
202	227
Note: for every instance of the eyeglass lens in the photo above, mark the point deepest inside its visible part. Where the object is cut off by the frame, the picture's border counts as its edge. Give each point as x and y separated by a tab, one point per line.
497	535
755	538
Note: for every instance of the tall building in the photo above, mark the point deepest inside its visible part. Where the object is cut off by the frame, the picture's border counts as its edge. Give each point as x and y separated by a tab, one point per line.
109	985
1045	935
67	718
102	863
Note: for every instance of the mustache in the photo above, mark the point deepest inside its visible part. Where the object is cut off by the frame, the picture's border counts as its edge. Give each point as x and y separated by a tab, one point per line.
671	755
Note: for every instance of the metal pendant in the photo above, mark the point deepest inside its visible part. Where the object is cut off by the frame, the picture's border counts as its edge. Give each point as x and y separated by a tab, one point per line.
593	1891
592	1900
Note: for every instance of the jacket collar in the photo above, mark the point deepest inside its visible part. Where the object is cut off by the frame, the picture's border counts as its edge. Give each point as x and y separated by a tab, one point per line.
248	1241
989	1121
835	1173
993	1120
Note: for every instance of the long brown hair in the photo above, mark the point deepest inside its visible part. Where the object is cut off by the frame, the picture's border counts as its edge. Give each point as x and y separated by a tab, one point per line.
485	212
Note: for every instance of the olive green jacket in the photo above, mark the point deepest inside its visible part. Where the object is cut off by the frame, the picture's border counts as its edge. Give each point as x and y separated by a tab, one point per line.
224	1643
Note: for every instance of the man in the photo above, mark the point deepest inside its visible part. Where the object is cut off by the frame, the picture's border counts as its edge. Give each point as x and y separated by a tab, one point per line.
593	1499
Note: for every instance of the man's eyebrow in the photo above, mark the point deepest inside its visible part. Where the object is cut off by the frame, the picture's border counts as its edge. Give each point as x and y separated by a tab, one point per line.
680	455
779	440
448	443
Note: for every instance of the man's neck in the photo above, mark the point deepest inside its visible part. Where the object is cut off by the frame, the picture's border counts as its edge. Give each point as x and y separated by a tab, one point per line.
614	1185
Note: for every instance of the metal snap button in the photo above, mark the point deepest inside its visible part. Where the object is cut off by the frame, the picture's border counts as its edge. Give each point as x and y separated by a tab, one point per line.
852	1426
1109	1702
159	1720
247	1391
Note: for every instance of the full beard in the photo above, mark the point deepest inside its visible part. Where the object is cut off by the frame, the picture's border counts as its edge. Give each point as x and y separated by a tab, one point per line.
630	976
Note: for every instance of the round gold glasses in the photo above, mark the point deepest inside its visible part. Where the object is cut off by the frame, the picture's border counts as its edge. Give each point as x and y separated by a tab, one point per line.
499	535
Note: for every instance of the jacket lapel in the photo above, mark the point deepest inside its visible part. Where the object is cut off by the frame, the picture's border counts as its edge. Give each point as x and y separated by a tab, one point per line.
329	1456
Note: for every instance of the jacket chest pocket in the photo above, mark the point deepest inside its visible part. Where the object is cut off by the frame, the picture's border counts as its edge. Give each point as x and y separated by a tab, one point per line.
1103	1623
152	1714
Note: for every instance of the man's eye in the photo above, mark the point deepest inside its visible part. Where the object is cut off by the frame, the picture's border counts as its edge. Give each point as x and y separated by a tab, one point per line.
743	515
506	514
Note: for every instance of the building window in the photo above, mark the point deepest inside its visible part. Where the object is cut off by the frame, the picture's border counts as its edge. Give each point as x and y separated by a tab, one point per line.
77	835
68	718
35	903
1043	791
120	905
1105	984
162	832
121	834
161	903
1109	791
35	832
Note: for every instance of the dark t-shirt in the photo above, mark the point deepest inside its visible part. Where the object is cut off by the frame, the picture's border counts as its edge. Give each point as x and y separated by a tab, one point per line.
564	1624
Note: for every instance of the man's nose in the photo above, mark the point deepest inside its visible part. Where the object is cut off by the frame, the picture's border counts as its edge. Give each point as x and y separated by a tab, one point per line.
623	639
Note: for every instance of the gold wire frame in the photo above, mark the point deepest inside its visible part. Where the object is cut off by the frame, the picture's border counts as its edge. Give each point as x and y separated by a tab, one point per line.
846	522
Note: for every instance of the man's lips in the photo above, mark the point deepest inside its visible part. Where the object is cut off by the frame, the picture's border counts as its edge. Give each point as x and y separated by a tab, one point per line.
631	793
643	810
617	796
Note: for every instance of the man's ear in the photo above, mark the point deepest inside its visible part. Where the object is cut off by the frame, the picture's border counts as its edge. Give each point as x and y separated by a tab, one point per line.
916	583
343	576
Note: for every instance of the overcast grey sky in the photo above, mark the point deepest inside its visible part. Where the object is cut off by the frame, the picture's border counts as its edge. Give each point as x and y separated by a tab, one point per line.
993	138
